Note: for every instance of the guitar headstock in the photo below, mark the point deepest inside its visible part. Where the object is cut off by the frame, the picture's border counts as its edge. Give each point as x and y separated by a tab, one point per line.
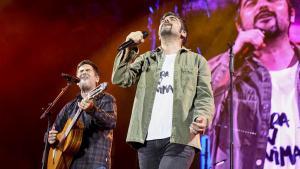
99	89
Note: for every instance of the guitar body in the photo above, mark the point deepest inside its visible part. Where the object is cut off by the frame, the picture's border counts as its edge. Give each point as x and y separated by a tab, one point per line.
61	156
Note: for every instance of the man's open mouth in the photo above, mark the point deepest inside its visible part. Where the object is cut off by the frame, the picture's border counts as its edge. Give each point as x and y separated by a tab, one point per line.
264	16
84	77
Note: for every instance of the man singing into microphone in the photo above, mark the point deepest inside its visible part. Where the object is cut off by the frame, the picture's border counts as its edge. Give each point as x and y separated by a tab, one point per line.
266	91
173	102
98	118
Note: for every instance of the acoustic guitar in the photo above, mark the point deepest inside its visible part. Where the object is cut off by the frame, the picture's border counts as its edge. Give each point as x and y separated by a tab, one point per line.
70	138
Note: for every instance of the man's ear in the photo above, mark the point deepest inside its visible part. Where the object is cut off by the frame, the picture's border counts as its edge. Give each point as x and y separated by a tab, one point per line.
183	34
78	78
98	79
238	26
292	15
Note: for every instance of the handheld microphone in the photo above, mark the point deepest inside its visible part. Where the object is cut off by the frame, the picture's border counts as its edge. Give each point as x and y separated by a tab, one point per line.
70	78
130	42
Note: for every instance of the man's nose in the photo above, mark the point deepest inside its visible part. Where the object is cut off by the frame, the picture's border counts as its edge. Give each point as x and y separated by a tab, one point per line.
83	72
263	4
166	20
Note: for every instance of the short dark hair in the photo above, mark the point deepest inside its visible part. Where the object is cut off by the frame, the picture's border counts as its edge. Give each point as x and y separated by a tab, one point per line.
290	3
182	21
238	19
88	62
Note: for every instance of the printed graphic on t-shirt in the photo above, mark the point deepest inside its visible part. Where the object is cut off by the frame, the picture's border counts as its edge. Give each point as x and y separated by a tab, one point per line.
164	88
278	154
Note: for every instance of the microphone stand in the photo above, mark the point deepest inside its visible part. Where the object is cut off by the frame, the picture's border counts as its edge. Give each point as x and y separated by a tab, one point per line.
47	114
231	71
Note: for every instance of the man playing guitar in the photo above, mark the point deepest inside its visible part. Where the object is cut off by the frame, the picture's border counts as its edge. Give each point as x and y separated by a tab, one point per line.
97	119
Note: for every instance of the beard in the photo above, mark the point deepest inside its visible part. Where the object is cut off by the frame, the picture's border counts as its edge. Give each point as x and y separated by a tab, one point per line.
85	82
166	30
85	86
267	22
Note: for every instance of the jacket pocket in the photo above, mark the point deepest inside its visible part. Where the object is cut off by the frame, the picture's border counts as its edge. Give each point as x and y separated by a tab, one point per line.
188	79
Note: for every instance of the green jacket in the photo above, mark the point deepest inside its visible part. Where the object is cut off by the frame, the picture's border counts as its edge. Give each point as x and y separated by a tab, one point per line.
192	93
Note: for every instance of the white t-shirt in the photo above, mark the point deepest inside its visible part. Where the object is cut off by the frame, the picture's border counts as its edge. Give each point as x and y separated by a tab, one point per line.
162	112
283	149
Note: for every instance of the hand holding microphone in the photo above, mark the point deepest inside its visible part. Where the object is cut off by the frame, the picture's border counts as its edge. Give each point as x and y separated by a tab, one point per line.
248	40
133	39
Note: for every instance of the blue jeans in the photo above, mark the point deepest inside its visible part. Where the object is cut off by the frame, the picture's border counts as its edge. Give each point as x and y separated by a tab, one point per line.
161	154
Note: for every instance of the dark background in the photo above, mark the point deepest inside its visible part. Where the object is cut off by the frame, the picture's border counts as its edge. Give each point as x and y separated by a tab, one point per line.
39	39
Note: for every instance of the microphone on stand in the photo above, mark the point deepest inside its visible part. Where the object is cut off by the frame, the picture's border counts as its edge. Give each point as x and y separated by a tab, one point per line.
130	42
70	78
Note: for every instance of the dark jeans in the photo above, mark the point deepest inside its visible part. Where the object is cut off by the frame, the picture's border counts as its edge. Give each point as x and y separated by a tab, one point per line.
161	154
101	167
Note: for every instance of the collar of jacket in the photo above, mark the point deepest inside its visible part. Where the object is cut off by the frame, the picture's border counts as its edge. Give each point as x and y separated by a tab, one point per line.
159	50
154	54
254	63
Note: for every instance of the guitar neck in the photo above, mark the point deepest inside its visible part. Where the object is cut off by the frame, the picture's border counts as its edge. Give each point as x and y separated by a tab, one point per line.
92	94
73	122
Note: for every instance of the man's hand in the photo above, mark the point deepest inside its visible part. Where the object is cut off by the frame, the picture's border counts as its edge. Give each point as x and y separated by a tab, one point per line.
137	37
253	37
86	105
199	126
52	136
